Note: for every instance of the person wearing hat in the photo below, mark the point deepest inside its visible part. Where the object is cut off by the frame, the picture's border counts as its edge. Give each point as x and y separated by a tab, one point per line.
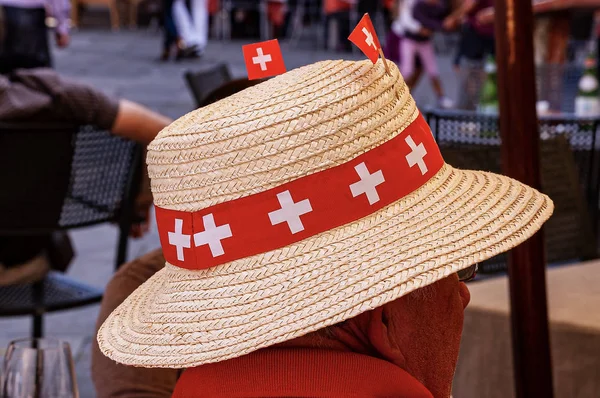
313	237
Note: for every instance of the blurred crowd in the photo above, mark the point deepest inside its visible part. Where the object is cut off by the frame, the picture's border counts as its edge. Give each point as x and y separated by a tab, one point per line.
408	26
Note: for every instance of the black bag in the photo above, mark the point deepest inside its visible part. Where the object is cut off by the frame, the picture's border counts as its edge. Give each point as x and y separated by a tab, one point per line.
60	251
18	249
25	39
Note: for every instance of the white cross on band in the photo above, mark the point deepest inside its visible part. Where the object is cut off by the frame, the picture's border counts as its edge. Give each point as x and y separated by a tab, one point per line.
368	183
415	157
290	212
212	235
179	240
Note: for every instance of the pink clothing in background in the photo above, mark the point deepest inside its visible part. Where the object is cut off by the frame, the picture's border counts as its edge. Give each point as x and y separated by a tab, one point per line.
409	48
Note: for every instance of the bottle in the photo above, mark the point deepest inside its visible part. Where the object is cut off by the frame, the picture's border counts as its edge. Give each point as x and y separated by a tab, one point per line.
587	102
488	102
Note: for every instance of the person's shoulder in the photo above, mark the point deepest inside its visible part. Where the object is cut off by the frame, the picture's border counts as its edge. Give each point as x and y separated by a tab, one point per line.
39	79
43	73
142	268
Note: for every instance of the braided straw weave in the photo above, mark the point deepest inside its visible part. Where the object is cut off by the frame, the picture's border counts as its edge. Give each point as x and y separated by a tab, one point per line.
302	122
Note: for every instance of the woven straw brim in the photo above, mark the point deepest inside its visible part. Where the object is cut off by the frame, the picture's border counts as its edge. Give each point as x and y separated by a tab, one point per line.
181	318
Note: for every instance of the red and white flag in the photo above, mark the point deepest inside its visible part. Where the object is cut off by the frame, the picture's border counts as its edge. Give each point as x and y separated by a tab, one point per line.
365	38
263	59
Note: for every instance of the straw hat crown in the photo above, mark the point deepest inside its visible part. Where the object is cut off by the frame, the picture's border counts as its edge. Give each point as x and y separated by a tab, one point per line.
299	123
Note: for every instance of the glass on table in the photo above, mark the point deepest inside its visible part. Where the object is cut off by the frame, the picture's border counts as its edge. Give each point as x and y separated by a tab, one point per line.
38	368
468	274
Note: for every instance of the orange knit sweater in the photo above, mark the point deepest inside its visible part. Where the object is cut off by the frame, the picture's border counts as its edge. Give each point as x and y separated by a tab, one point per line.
298	372
405	349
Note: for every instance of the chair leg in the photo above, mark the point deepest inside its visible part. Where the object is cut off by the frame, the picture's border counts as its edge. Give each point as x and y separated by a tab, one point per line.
114	15
37	327
333	33
353	21
265	24
227	7
297	24
122	247
321	32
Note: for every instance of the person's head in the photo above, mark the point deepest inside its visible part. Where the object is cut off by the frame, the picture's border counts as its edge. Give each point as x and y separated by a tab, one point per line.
419	332
317	198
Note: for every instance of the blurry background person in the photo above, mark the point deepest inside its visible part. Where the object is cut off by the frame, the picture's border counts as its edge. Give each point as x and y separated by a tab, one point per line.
476	44
276	14
40	94
419	19
192	26
394	34
394	41
477	35
171	37
25	39
390	10
337	24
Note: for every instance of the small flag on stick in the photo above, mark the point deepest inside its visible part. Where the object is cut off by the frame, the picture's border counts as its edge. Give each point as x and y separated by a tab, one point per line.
365	38
263	59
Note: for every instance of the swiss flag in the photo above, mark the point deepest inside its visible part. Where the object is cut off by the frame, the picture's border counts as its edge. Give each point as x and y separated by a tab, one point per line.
263	59
365	38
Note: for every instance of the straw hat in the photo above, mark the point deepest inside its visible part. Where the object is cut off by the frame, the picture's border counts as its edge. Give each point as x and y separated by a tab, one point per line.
299	203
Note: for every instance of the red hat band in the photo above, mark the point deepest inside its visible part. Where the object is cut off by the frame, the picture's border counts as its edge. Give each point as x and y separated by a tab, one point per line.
302	208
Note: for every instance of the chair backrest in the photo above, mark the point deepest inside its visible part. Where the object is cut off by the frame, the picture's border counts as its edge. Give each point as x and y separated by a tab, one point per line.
60	177
228	89
203	82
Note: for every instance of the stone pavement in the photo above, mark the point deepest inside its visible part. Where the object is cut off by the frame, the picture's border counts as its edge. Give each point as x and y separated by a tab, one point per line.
125	64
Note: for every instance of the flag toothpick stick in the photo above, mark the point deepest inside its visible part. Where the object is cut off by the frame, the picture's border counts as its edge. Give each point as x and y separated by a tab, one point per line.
385	64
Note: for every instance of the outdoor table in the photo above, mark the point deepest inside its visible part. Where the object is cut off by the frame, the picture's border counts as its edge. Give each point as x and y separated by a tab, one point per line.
485	360
541	6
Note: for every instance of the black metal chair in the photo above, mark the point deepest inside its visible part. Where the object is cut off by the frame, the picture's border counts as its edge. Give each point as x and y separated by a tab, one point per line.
569	166
203	82
59	178
230	88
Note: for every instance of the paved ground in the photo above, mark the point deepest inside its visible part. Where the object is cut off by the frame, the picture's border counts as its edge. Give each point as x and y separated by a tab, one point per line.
124	64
